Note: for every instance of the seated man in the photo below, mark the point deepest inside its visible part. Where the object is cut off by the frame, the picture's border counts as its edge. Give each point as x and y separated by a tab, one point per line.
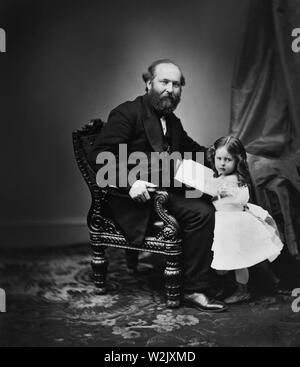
149	125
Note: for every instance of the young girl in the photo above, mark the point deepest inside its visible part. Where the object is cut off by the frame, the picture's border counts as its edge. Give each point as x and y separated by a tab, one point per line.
245	234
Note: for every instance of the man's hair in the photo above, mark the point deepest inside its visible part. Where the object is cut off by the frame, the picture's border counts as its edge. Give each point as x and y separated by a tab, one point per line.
150	73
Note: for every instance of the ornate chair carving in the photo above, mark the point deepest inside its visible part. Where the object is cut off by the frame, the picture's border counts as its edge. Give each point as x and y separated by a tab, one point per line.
163	236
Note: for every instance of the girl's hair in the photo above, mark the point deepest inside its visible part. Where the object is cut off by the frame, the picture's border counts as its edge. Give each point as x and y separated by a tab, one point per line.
234	147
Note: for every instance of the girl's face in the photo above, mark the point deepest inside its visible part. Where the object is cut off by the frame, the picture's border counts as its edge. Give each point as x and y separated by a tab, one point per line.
224	162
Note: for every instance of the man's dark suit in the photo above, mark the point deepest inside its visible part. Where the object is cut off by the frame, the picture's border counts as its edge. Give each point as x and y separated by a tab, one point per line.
137	125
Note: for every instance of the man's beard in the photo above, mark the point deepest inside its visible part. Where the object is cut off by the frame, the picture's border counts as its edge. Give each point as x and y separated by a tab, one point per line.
163	104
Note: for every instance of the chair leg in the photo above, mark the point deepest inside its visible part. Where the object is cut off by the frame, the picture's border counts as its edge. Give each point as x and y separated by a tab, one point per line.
172	275
99	265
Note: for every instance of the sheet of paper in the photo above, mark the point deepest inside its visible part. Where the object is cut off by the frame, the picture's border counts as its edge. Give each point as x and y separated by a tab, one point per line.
196	175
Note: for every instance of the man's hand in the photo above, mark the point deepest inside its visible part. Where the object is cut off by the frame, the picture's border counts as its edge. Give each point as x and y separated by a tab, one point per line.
139	191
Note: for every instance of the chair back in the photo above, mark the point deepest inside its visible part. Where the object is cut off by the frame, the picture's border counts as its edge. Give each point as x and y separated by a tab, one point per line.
83	141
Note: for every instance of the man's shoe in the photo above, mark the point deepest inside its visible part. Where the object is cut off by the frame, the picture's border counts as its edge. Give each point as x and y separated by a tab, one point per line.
203	303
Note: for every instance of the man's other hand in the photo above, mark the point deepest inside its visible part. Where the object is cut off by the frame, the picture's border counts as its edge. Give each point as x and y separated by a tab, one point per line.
139	191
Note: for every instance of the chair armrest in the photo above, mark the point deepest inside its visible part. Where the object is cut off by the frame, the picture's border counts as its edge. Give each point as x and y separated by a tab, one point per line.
171	229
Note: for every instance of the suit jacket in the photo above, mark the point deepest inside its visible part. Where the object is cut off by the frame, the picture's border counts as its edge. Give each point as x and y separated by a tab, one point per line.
137	125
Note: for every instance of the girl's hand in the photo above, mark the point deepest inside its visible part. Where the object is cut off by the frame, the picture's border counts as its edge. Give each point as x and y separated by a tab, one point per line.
224	193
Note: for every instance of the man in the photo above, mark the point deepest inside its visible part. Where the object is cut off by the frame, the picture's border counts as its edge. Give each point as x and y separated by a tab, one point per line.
149	125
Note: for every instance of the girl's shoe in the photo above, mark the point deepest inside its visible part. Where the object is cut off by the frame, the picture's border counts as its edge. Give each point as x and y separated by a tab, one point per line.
239	296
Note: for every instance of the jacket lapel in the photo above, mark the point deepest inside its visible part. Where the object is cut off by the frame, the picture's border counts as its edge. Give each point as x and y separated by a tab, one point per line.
152	128
173	126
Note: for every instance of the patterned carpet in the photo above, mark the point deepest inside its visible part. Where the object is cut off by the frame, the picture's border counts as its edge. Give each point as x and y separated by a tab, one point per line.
51	301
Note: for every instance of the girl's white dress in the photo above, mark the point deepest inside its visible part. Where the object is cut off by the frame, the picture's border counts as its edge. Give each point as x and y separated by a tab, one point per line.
245	234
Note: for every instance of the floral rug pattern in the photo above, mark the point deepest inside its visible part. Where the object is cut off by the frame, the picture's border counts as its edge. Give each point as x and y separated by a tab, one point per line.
51	301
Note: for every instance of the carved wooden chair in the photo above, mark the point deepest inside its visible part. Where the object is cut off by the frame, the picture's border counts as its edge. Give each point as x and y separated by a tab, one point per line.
163	235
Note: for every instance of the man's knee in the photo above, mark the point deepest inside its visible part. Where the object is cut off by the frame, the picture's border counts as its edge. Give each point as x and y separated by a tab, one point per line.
204	212
186	210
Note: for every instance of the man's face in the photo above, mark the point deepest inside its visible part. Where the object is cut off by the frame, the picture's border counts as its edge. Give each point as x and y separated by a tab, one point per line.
165	88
